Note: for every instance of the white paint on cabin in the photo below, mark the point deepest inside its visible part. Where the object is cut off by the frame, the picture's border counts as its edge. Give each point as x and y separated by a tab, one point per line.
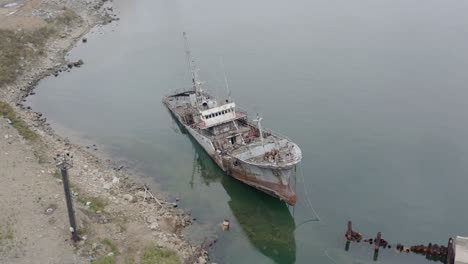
218	115
461	250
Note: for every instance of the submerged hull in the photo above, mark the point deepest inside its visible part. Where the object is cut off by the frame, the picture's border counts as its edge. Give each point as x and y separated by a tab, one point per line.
274	181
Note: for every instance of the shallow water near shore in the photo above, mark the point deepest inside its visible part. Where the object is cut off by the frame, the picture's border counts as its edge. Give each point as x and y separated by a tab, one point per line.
373	92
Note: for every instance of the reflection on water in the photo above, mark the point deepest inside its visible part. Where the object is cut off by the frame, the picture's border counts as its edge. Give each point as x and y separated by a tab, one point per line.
266	221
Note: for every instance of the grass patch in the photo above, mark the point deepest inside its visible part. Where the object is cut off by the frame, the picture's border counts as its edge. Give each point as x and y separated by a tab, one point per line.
57	175
16	46
104	260
41	156
7	112
67	17
19	46
154	254
113	248
129	260
6	234
97	204
6	237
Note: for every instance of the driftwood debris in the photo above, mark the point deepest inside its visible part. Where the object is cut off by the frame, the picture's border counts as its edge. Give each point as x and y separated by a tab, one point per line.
147	191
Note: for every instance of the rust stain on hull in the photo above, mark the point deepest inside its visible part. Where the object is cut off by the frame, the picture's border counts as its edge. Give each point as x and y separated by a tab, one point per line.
278	190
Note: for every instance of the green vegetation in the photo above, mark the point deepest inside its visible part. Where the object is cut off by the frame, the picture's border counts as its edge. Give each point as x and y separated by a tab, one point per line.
153	255
57	175
129	260
97	204
6	234
7	112
108	259
113	248
6	237
67	17
17	46
104	260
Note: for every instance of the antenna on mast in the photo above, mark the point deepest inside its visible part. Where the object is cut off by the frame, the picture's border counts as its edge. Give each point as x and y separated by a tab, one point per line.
191	65
259	120
225	79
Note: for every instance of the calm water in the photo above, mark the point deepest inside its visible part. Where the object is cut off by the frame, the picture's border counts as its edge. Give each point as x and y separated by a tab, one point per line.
374	92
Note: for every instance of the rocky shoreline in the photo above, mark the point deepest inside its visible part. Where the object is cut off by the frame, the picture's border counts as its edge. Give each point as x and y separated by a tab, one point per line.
110	205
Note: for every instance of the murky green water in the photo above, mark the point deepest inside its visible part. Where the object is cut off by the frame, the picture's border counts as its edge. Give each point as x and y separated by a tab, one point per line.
374	92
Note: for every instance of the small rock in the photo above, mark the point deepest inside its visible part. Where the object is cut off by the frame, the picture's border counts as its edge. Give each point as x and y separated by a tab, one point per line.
201	260
154	226
98	212
50	209
78	63
141	194
151	219
116	180
110	254
9	121
107	186
103	220
94	246
128	197
88	203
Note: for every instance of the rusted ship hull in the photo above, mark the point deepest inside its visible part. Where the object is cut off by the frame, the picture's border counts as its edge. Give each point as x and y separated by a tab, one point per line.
276	189
269	179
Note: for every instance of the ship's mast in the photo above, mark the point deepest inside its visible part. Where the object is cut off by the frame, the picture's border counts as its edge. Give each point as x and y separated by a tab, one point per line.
225	80
191	66
259	120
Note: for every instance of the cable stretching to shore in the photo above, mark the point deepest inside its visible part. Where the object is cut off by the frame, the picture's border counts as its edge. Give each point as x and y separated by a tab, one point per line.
309	203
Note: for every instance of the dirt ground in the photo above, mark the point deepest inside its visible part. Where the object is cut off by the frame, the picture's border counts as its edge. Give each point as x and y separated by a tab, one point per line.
117	219
18	14
27	233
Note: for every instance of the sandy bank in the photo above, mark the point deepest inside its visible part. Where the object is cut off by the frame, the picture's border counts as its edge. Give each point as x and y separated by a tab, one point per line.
118	221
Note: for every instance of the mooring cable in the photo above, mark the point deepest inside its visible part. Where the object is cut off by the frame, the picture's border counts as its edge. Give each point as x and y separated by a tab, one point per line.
309	203
328	256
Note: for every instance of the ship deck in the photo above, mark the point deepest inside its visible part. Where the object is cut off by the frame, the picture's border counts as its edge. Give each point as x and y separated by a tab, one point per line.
274	152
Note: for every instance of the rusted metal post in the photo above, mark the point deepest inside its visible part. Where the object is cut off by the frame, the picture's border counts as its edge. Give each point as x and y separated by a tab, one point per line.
450	252
64	163
376	255
377	241
348	243
349	232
